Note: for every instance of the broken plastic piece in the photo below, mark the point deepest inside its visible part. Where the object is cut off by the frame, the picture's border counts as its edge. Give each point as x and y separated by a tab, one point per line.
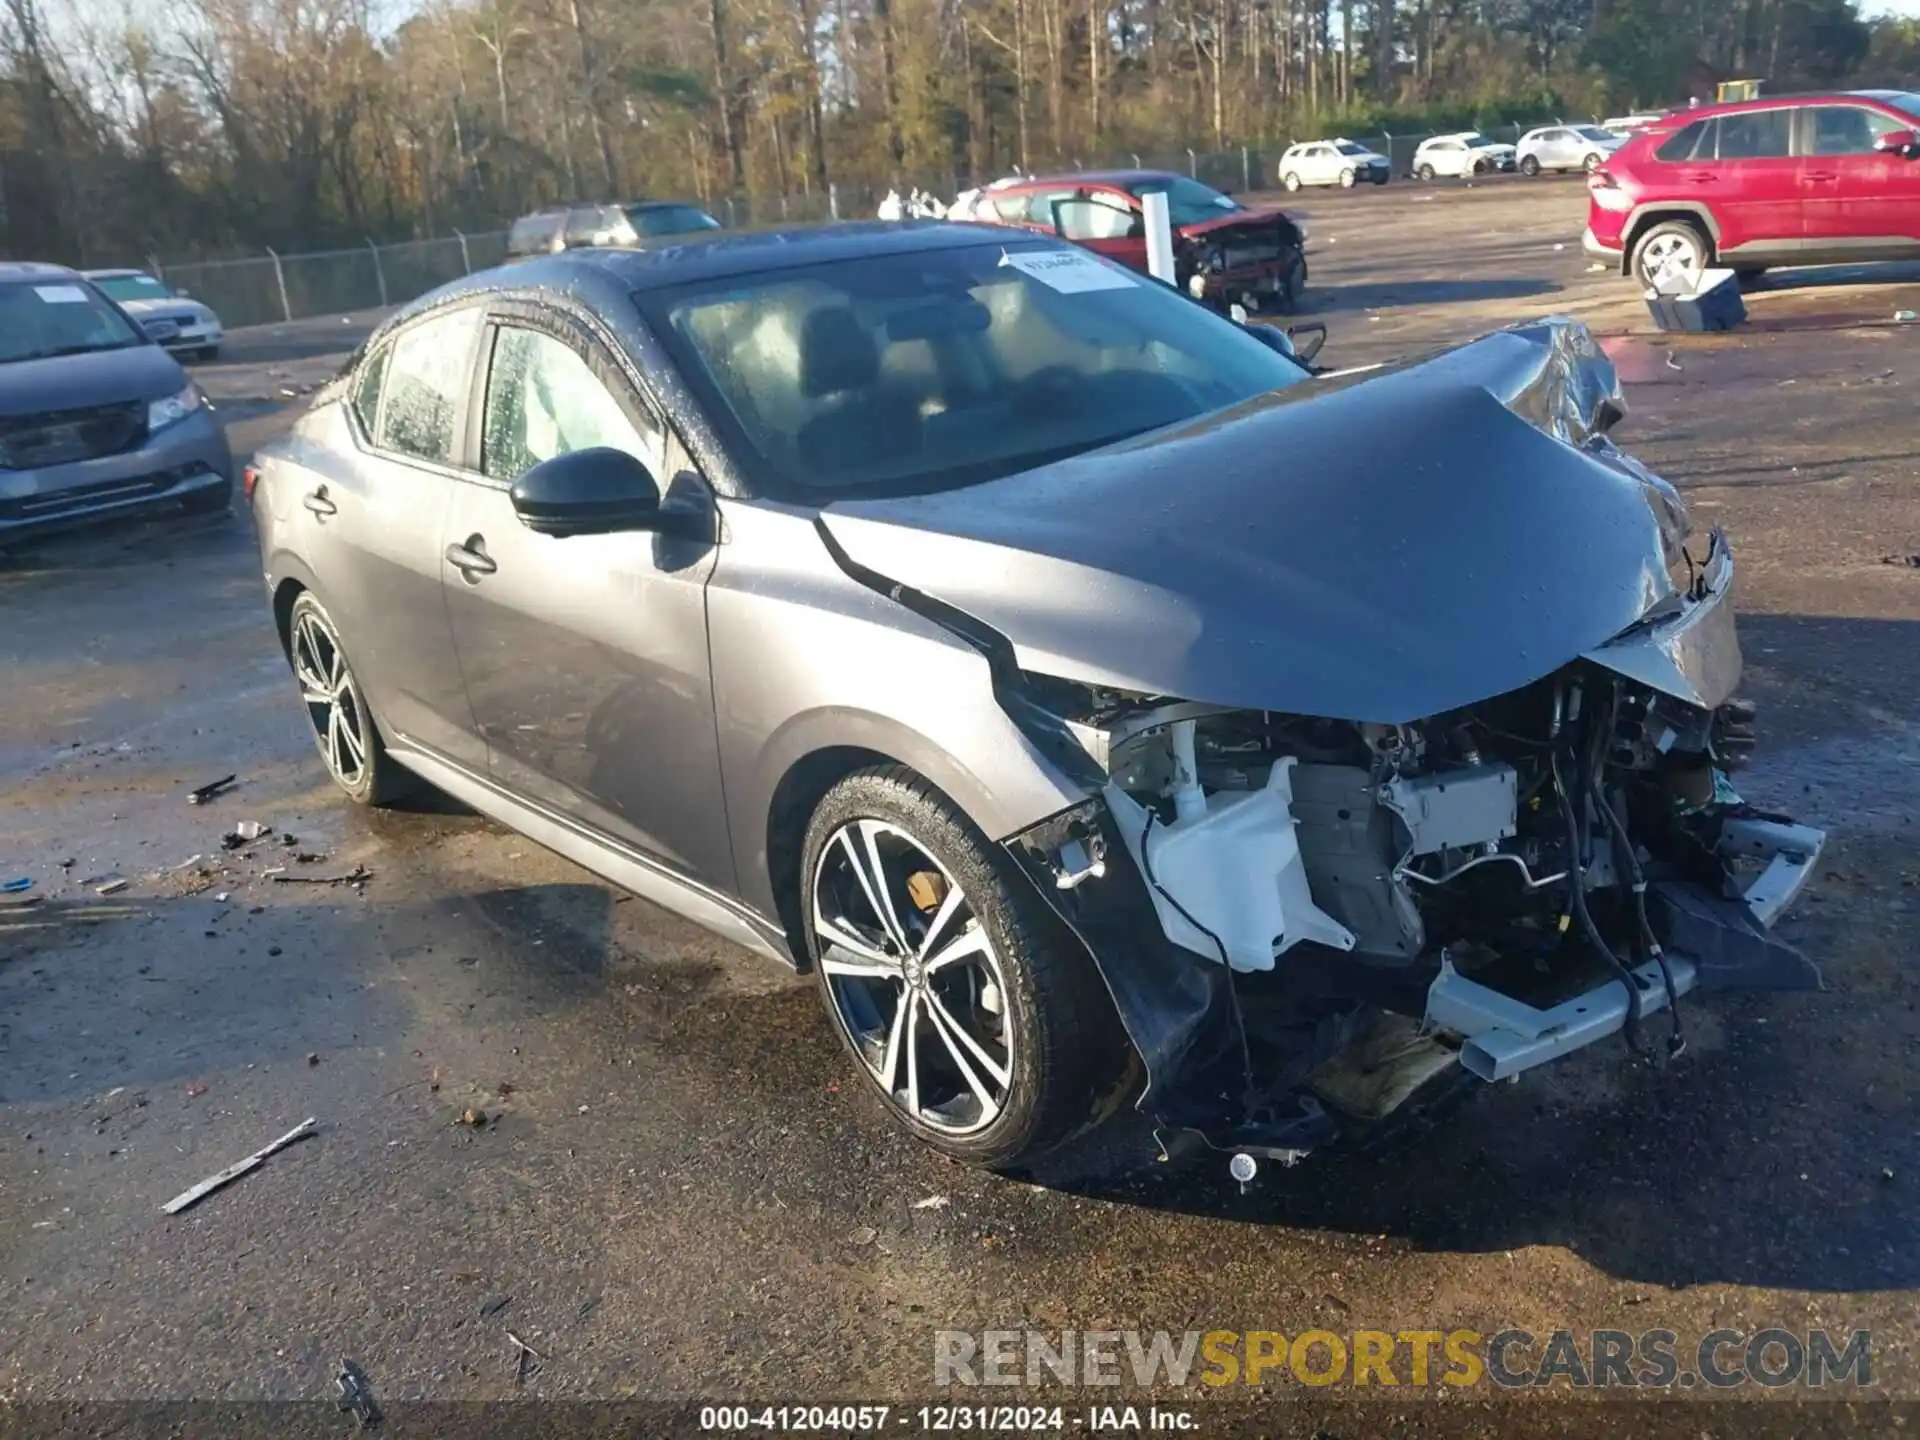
14	887
212	789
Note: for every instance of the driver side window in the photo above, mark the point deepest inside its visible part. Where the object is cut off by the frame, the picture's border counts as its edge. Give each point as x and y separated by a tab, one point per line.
543	400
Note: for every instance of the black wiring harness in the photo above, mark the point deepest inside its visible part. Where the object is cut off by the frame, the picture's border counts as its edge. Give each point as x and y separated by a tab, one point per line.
1591	792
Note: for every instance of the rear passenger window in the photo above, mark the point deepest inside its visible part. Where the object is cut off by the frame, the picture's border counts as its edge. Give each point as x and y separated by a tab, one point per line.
366	390
426	378
1756	135
1011	207
1686	145
1040	211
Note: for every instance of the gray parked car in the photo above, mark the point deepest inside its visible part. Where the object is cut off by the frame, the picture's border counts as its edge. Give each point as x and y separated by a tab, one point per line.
96	419
1089	695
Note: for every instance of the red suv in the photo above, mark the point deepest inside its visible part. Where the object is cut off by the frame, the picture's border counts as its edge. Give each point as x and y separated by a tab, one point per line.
1224	252
1800	180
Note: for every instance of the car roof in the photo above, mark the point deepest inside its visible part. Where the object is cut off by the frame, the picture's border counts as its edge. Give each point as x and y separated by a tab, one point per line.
724	255
35	270
1101	177
1677	118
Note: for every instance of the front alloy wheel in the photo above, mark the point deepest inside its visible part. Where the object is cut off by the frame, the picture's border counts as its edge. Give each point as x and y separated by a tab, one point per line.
913	978
972	1012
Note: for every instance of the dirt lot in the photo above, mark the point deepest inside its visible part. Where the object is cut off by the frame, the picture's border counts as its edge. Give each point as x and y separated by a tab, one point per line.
680	1192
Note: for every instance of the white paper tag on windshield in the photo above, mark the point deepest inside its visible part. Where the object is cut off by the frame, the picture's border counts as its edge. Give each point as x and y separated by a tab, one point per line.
1068	271
61	294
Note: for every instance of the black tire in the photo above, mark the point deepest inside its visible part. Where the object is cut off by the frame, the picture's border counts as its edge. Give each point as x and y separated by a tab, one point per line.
1529	165
378	779
207	352
1064	1052
1290	180
1424	171
1667	230
216	501
1479	167
1347	179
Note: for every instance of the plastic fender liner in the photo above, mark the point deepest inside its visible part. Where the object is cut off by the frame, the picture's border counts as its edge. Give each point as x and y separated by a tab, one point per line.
1178	1009
1173	1004
1730	948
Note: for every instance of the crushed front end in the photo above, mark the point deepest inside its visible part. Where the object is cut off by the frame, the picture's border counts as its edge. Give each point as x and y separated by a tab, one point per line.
1315	928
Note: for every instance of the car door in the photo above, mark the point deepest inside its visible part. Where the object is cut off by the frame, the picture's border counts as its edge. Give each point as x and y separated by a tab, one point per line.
1448	156
586	657
1753	184
372	512
1856	199
1107	222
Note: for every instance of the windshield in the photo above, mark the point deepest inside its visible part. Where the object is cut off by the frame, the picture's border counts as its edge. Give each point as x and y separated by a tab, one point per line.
1188	201
1594	132
899	374
669	219
1479	142
1347	147
58	317
1904	100
132	287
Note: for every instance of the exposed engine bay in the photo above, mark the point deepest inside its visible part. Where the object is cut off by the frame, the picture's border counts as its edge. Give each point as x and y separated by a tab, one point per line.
1491	888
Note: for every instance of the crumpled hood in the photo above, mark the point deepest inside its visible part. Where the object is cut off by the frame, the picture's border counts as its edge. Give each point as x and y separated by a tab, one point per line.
1381	548
1252	220
98	377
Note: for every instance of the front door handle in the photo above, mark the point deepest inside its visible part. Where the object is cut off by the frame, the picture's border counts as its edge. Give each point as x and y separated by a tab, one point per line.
318	503
1821	177
471	559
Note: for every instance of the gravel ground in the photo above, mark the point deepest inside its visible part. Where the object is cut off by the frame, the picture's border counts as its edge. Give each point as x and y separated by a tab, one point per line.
678	1191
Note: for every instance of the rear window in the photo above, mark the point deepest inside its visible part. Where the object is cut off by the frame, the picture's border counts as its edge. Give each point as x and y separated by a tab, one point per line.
1695	142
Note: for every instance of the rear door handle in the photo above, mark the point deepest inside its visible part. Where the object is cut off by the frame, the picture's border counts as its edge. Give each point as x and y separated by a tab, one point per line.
1821	177
471	559
318	503
1703	179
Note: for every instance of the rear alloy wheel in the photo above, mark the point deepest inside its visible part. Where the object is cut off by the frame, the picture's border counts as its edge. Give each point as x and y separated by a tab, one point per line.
1346	179
1290	180
971	1011
343	728
1424	171
1671	247
1529	165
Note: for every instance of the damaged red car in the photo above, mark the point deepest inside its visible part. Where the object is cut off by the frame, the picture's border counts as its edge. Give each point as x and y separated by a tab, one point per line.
1225	253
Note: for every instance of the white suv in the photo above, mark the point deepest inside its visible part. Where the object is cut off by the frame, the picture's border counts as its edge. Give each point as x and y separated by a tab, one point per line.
1467	153
1332	162
1566	147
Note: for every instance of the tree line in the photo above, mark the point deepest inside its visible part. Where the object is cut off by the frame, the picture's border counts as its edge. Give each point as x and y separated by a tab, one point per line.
231	125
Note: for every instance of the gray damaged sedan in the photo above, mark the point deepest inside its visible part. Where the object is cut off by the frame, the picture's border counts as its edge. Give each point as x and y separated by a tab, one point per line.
1098	702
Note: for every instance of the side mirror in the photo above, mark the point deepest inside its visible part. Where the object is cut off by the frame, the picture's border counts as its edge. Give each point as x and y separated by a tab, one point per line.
587	492
1898	142
1307	340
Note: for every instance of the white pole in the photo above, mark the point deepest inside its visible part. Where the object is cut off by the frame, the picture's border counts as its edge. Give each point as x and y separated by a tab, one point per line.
1159	235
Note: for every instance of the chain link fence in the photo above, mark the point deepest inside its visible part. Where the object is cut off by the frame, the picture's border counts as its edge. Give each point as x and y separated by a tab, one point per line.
272	288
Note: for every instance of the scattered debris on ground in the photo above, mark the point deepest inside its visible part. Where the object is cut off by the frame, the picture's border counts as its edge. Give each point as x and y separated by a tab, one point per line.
1911	562
933	1202
359	875
234	1171
473	1118
526	1359
356	1395
494	1306
212	789
112	887
15	886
